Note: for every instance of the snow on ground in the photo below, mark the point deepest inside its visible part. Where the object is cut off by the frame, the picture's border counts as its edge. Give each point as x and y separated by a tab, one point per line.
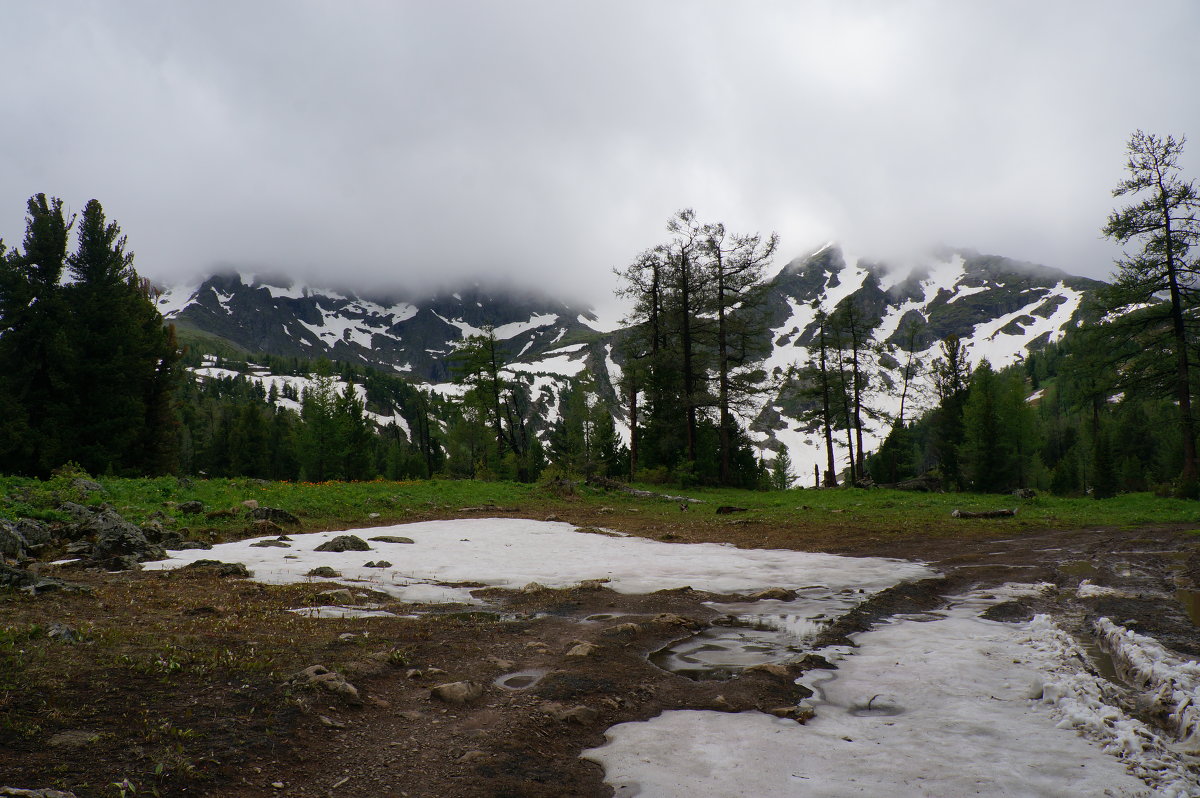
563	365
512	552
945	704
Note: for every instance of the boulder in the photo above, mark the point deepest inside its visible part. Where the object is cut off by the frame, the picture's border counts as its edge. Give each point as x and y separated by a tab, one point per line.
35	533
116	537
192	507
222	569
345	543
379	564
274	514
390	539
12	543
324	571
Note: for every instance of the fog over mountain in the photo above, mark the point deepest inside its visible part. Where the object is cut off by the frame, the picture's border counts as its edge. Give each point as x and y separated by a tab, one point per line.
408	143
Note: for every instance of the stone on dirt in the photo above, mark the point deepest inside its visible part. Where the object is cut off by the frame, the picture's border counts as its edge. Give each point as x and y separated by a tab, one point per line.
16	792
457	692
334	682
192	507
581	649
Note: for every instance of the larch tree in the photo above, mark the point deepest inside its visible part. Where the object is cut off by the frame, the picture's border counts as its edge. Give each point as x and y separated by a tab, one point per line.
1164	222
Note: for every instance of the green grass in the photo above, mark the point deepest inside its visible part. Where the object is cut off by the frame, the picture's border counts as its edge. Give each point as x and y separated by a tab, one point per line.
334	505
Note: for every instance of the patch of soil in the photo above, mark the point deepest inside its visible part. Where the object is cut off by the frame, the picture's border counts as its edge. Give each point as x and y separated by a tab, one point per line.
182	682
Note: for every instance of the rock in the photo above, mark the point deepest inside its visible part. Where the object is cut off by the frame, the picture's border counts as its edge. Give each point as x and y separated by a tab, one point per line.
270	544
582	650
262	529
116	537
274	514
672	619
35	532
457	692
226	513
28	582
74	738
622	630
87	485
534	587
330	722
1025	493
593	584
250	504
344	543
814	662
334	682
473	756
121	562
583	715
12	542
1003	513
776	593
502	664
222	569
377	564
80	548
193	507
16	792
188	545
721	704
727	509
551	518
798	714
372	515
1008	611
63	633
772	668
79	514
339	596
391	539
324	571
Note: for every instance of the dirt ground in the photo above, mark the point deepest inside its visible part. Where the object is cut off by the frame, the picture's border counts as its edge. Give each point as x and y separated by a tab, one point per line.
251	731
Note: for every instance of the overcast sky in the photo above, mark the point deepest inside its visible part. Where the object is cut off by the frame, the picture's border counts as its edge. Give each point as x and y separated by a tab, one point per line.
395	142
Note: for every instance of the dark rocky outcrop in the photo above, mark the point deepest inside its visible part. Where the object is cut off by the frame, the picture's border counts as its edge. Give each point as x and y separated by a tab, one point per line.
345	543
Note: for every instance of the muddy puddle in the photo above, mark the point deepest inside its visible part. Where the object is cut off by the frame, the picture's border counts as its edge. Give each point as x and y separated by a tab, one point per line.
754	633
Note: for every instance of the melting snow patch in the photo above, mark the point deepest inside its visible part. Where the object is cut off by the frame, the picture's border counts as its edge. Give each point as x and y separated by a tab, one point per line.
973	707
512	552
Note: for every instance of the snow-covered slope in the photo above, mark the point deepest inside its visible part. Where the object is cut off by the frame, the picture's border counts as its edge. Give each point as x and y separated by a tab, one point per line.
409	335
999	308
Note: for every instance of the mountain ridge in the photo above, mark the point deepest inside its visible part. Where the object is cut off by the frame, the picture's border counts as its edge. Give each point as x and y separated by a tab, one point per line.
999	307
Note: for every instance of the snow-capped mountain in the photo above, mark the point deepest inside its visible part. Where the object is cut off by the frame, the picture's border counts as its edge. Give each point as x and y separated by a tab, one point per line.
410	336
999	308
